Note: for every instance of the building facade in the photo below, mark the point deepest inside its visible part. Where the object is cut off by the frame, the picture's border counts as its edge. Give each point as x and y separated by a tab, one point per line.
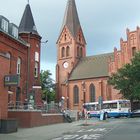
19	58
82	78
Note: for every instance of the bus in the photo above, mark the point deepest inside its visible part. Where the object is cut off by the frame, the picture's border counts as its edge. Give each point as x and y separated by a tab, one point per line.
112	108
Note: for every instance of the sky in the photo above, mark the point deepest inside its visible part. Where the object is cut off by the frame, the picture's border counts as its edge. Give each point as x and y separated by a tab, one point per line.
103	22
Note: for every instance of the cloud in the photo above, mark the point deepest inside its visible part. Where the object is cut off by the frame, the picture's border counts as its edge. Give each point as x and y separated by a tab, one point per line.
104	22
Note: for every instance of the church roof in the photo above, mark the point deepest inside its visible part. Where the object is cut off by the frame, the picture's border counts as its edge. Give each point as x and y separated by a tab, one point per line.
27	24
92	67
71	19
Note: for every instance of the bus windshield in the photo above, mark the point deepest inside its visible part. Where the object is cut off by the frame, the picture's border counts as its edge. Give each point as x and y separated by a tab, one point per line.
124	104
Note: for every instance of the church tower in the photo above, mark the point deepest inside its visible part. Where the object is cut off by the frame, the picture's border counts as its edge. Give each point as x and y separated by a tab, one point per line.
71	46
28	32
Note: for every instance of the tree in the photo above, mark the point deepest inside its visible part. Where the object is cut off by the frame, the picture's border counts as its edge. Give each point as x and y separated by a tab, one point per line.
48	86
127	80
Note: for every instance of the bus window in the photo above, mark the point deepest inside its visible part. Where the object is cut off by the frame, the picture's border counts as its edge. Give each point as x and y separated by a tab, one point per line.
113	105
125	105
105	106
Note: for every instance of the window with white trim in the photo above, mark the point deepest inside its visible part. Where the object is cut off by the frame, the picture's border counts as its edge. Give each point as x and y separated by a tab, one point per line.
15	31
18	66
4	25
36	56
36	69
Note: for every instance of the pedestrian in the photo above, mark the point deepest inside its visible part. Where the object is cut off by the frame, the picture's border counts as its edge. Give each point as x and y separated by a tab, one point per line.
80	115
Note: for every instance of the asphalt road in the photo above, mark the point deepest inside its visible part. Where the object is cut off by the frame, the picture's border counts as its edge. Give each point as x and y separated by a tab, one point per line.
111	129
93	129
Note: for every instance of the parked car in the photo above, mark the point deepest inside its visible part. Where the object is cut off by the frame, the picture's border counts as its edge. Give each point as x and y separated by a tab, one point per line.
135	113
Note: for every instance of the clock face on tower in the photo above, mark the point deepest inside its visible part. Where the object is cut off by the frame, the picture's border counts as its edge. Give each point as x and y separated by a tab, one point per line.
65	65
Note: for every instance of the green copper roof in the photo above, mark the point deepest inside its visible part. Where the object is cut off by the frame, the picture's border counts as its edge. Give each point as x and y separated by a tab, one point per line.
92	67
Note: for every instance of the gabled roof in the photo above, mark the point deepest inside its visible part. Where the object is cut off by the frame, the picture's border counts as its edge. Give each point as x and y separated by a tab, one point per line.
71	19
27	24
92	67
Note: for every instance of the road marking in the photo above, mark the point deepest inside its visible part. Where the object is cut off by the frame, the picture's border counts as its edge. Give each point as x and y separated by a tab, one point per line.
89	137
93	130
77	137
100	132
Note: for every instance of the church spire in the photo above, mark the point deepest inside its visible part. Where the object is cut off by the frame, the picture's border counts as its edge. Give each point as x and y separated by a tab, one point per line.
71	19
27	24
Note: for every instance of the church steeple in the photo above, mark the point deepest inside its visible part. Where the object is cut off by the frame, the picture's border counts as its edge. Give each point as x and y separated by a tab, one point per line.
71	47
27	24
71	19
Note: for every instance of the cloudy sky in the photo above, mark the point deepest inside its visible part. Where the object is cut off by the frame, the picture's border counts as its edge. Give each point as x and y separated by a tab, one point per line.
104	22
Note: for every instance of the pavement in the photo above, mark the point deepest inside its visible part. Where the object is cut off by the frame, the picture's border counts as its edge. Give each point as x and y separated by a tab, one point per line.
49	132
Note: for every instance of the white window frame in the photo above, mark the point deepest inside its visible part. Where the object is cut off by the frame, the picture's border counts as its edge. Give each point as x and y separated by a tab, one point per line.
4	25
36	69
19	66
15	31
36	56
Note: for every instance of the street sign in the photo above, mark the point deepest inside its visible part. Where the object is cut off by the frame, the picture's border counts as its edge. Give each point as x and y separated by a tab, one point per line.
11	80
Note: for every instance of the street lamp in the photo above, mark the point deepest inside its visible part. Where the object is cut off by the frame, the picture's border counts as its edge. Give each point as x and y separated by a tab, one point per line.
45	41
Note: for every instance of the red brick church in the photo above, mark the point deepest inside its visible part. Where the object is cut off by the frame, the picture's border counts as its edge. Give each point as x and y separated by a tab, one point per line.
19	62
82	78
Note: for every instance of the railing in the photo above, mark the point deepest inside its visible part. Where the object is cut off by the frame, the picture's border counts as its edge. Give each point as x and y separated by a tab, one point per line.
51	108
44	108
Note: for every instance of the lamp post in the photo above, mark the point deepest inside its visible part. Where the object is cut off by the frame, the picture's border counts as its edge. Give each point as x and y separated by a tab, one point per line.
28	63
45	42
67	92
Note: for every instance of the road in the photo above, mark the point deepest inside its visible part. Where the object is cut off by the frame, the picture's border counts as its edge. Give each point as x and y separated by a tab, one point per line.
112	129
93	129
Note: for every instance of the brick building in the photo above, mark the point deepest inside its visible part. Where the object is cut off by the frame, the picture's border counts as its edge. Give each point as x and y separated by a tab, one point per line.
19	57
82	78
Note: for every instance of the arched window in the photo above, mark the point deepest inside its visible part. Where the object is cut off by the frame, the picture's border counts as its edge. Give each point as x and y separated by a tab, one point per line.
79	38
18	65
68	51
92	93
8	54
65	37
81	52
76	94
133	51
132	39
78	51
63	52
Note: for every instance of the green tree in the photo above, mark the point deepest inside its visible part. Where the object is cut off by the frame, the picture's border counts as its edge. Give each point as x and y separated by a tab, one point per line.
127	80
48	86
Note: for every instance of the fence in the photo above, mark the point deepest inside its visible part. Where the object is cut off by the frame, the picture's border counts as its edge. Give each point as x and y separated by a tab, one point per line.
44	108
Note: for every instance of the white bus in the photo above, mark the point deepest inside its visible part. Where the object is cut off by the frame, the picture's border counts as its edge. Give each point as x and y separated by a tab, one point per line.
112	108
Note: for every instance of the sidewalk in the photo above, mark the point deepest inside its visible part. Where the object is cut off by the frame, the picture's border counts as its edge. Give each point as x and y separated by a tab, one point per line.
47	132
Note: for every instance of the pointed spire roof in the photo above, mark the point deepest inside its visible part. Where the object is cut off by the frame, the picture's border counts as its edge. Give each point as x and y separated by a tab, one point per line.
27	24
71	19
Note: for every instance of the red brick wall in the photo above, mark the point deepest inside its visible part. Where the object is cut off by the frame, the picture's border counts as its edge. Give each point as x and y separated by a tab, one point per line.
34	41
100	90
32	119
4	70
17	49
63	73
124	55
